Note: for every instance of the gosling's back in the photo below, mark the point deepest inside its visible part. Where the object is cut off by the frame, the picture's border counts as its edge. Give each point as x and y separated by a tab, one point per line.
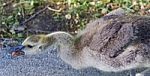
116	43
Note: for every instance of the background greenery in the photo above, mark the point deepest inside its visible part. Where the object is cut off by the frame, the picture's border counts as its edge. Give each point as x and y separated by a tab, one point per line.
14	12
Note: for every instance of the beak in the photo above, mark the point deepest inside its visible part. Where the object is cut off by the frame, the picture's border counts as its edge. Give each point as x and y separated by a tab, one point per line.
17	51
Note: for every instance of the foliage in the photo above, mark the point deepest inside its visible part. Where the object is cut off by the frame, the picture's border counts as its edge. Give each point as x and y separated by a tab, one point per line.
79	11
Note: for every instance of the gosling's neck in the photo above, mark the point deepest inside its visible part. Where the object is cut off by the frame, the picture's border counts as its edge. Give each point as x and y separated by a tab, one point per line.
62	38
67	51
64	42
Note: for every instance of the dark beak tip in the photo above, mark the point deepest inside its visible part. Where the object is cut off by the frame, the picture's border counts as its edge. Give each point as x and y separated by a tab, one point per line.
21	46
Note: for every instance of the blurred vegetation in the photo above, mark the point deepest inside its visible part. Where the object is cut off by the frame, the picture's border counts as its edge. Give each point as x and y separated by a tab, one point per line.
14	12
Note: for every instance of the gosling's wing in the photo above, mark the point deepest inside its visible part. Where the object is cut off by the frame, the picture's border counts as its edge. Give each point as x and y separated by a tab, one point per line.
112	39
120	33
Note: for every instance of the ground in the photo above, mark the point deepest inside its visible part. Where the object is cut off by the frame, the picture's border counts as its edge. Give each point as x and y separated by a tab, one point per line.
44	64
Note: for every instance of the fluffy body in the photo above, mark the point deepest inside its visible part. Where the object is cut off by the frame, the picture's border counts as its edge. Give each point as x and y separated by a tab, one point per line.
116	44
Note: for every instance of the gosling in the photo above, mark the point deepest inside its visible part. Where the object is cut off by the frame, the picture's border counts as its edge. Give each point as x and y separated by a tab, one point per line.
112	43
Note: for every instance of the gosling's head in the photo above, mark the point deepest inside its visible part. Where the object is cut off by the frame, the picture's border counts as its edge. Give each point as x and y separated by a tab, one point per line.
37	43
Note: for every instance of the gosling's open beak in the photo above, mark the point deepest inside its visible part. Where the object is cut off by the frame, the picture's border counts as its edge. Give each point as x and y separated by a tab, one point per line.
17	51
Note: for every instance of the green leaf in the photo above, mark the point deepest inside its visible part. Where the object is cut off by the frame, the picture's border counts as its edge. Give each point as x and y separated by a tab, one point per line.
20	35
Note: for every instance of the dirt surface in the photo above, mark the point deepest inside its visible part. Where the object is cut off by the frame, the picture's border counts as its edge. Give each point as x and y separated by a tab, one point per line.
41	21
45	22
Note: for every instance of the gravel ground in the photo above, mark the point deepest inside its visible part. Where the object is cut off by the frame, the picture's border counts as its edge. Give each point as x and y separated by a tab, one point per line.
45	64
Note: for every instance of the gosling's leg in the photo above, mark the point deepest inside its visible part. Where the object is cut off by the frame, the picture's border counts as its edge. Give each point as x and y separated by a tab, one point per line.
143	72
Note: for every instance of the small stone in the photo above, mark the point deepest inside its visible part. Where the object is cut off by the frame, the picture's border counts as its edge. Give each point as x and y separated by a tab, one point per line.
17	53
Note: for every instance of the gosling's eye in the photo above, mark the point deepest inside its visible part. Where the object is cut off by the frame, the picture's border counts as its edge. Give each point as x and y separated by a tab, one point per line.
40	47
29	46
